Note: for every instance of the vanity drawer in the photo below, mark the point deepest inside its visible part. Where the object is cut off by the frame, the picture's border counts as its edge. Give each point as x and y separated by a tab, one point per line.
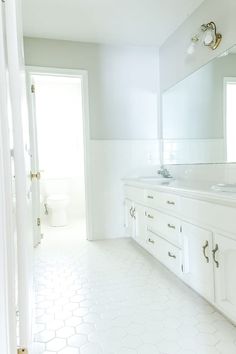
151	198
168	226
169	201
165	252
133	193
156	199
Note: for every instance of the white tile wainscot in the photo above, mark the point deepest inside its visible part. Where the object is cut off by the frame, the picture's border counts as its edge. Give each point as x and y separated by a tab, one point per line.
192	231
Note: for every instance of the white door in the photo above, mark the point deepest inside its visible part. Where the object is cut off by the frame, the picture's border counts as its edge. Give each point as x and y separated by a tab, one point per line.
35	173
224	255
7	241
129	218
140	223
17	88
198	263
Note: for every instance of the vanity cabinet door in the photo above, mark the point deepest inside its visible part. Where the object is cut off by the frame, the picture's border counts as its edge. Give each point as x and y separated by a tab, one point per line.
129	218
224	255
198	263
140	224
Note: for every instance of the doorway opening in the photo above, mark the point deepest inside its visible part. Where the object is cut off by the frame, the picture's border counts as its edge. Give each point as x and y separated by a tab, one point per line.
58	145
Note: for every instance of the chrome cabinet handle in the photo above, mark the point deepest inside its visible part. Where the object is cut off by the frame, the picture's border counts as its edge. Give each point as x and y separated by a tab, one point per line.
150	216
134	212
171	255
204	251
151	241
170	202
216	249
171	226
150	197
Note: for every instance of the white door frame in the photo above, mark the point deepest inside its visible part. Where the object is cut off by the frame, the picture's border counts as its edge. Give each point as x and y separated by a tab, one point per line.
83	75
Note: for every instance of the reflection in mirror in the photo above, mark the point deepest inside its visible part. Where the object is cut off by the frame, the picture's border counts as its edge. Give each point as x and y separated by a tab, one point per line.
199	115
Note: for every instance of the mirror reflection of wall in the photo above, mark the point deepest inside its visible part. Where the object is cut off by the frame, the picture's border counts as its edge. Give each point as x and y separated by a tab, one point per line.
199	115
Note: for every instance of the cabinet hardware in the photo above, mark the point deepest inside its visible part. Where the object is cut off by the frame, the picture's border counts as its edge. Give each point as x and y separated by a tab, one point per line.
151	241
216	249
171	255
204	251
35	175
171	226
150	216
22	351
182	268
134	212
170	202
150	197
131	212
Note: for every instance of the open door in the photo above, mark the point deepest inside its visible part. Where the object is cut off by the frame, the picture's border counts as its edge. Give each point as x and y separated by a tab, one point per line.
7	240
21	153
35	173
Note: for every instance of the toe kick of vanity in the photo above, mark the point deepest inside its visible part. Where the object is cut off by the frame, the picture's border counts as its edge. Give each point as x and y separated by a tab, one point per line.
193	238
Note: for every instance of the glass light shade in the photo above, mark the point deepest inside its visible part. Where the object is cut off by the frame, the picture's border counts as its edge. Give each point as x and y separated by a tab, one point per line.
208	37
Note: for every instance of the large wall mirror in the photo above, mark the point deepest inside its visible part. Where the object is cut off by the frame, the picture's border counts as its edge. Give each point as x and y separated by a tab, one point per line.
199	115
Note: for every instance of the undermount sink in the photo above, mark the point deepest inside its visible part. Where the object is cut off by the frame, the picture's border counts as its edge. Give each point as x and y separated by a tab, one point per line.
156	180
227	187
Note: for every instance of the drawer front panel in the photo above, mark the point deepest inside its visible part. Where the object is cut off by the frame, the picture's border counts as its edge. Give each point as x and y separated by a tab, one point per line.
151	198
133	193
155	199
169	201
168	226
166	253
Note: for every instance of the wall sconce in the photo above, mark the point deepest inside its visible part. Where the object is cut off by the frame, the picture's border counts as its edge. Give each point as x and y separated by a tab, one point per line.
209	36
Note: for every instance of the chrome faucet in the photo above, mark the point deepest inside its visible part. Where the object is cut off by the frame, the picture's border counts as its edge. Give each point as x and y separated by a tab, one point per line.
164	172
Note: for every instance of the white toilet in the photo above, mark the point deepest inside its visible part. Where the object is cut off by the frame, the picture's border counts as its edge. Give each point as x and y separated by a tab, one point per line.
57	201
57	206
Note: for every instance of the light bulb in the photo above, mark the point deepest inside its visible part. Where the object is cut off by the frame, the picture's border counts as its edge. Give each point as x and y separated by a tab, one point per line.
191	48
208	38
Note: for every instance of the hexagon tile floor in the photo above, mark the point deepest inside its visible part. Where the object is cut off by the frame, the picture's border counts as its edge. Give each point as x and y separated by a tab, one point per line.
111	297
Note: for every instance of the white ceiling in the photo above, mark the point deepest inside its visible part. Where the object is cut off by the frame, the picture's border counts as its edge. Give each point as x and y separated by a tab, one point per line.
136	22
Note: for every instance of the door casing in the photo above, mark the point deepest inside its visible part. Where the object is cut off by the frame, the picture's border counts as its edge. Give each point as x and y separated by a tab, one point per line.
83	75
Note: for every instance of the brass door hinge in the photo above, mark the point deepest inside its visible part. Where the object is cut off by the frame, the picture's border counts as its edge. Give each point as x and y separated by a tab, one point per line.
38	221
35	175
33	88
22	351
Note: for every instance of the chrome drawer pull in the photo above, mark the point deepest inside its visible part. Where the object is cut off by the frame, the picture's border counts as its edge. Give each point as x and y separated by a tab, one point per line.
150	216
151	241
171	226
171	255
204	251
150	197
170	203
216	249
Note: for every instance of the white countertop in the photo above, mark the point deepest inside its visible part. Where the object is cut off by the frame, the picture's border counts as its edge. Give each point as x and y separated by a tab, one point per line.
192	189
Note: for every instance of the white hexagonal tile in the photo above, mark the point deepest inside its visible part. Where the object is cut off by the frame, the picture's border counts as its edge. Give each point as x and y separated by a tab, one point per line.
54	324
45	336
77	340
65	332
69	350
56	344
85	328
91	348
73	321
